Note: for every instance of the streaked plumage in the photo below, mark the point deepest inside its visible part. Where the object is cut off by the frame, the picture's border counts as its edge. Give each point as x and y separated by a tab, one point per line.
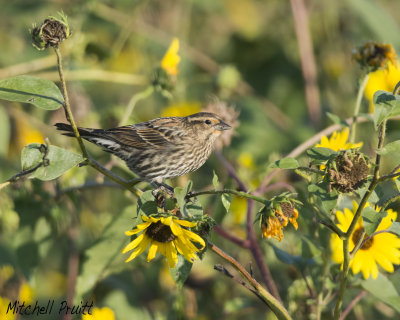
161	148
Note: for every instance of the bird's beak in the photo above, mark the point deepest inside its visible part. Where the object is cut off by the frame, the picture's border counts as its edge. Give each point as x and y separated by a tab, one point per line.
222	126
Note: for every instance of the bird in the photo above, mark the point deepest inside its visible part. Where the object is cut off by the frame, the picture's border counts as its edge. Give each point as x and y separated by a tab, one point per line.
161	148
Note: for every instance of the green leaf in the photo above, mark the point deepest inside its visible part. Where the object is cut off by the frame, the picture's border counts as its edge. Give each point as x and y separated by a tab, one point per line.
55	161
147	204
226	201
31	156
391	150
104	255
194	210
336	119
383	289
395	228
215	180
180	195
181	271
372	219
387	105
60	161
287	258
327	200
39	92
285	163
320	155
4	132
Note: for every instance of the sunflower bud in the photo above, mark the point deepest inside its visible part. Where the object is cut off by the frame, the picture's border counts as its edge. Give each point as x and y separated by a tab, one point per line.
374	55
51	33
347	171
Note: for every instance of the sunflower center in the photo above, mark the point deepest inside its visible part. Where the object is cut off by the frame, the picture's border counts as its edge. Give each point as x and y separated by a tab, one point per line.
160	232
356	236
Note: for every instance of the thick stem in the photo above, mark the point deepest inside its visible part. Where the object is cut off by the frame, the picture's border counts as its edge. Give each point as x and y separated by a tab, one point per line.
352	304
264	295
66	105
345	272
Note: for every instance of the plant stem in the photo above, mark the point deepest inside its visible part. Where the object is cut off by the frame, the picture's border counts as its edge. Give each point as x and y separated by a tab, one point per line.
66	105
349	232
229	191
276	307
357	107
132	103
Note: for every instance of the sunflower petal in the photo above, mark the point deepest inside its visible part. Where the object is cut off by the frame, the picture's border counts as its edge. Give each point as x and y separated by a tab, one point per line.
133	244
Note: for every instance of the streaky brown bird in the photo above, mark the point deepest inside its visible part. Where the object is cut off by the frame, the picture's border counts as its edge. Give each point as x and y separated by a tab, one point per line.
161	148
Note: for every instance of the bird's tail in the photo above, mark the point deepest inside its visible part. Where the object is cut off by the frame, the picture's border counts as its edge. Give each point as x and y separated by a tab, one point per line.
85	133
99	137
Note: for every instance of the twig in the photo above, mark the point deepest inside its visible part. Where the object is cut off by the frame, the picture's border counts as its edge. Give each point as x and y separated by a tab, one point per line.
352	304
357	107
27	67
132	103
257	254
96	75
234	239
263	294
228	191
308	65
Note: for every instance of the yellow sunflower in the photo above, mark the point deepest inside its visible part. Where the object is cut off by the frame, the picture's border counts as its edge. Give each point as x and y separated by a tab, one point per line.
100	314
166	236
171	59
382	79
338	141
382	249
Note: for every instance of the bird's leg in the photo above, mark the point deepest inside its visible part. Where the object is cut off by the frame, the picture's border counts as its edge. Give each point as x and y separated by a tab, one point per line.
163	188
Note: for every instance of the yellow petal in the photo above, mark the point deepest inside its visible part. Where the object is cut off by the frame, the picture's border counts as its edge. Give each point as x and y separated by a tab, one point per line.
171	59
186	223
171	254
133	244
152	251
143	245
193	236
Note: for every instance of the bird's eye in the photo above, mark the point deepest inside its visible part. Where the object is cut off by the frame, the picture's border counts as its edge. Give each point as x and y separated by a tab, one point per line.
208	121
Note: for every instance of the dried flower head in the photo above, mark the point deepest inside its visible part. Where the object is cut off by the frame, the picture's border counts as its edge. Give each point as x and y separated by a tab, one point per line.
347	171
228	115
277	214
51	33
374	55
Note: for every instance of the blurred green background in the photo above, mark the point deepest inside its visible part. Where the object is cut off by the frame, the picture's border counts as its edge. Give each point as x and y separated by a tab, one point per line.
243	52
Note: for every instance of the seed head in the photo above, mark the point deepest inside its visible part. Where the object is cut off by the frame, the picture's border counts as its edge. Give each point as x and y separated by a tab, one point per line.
51	33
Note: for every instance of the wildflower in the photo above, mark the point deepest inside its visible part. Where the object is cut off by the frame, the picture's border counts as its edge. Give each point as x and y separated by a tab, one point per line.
51	33
171	59
375	55
166	236
26	293
100	314
338	141
4	315
382	249
277	218
382	79
181	109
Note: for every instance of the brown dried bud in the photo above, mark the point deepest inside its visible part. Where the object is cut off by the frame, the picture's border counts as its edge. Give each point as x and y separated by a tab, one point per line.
374	55
51	33
348	171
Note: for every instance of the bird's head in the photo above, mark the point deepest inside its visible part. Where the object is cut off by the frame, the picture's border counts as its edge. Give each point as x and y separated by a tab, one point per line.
207	125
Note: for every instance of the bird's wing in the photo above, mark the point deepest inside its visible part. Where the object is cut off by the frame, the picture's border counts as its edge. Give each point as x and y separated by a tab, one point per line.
139	136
